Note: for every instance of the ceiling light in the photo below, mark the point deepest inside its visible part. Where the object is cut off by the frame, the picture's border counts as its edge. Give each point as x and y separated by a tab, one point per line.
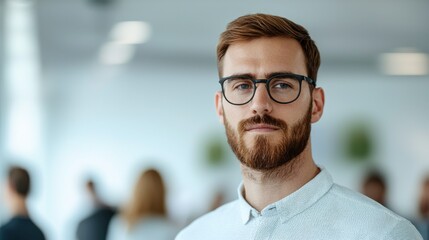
114	53
408	63
132	32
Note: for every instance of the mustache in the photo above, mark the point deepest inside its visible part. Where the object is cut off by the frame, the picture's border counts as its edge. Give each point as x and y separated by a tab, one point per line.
264	119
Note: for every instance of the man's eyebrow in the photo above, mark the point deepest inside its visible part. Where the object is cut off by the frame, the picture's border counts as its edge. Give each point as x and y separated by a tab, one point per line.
240	75
252	76
278	73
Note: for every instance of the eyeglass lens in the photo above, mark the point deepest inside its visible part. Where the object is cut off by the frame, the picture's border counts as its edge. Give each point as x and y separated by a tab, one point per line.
281	89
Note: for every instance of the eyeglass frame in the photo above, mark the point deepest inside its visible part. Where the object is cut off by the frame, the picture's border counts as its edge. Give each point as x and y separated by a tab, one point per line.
267	81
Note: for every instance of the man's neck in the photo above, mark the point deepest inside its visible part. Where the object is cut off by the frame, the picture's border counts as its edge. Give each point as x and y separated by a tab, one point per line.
19	207
264	188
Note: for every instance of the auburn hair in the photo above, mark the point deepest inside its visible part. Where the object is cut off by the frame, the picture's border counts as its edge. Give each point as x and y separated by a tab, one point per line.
260	25
424	198
148	198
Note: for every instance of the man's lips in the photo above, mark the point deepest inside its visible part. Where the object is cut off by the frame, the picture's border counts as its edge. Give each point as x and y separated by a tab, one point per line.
261	128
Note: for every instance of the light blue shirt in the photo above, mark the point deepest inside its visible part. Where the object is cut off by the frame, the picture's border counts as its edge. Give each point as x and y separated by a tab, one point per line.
318	210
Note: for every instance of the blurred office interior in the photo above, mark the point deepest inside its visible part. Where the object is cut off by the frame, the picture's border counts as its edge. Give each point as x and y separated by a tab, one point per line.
105	88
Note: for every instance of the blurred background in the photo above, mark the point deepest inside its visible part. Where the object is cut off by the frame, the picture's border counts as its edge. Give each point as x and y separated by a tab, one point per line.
106	88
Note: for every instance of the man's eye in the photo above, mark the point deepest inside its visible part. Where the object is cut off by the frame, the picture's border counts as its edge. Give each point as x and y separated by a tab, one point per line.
282	85
243	86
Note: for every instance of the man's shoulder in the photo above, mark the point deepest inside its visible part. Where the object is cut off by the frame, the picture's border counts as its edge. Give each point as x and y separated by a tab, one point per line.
6	231
11	226
220	214
355	201
100	214
210	221
362	212
18	226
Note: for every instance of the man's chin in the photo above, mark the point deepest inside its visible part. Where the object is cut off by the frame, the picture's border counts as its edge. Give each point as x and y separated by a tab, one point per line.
252	140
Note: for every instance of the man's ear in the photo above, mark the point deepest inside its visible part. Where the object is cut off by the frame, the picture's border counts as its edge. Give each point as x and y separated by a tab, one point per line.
318	104
219	106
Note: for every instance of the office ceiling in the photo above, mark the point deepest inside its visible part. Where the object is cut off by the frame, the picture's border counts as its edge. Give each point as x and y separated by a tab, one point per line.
71	32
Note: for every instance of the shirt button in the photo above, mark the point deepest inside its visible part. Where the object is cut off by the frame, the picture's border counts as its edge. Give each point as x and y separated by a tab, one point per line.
256	214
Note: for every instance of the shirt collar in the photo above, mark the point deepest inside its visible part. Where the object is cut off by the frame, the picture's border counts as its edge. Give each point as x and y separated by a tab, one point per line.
294	203
245	208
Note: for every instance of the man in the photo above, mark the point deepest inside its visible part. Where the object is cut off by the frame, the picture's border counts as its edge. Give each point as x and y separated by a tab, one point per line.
374	187
95	226
422	222
269	99
20	226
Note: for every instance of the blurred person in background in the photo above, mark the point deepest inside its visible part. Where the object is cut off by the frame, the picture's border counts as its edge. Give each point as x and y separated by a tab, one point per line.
423	223
217	200
374	187
20	226
268	100
95	225
145	215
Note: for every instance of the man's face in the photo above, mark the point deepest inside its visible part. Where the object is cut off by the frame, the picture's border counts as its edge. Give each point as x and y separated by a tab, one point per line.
7	194
264	134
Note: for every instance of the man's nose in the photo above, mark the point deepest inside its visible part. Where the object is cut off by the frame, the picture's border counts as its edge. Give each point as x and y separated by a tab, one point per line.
261	103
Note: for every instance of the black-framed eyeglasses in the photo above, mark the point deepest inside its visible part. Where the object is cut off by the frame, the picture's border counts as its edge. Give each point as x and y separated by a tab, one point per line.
283	88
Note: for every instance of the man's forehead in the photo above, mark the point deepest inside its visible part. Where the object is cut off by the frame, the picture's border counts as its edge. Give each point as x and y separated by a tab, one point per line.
264	56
